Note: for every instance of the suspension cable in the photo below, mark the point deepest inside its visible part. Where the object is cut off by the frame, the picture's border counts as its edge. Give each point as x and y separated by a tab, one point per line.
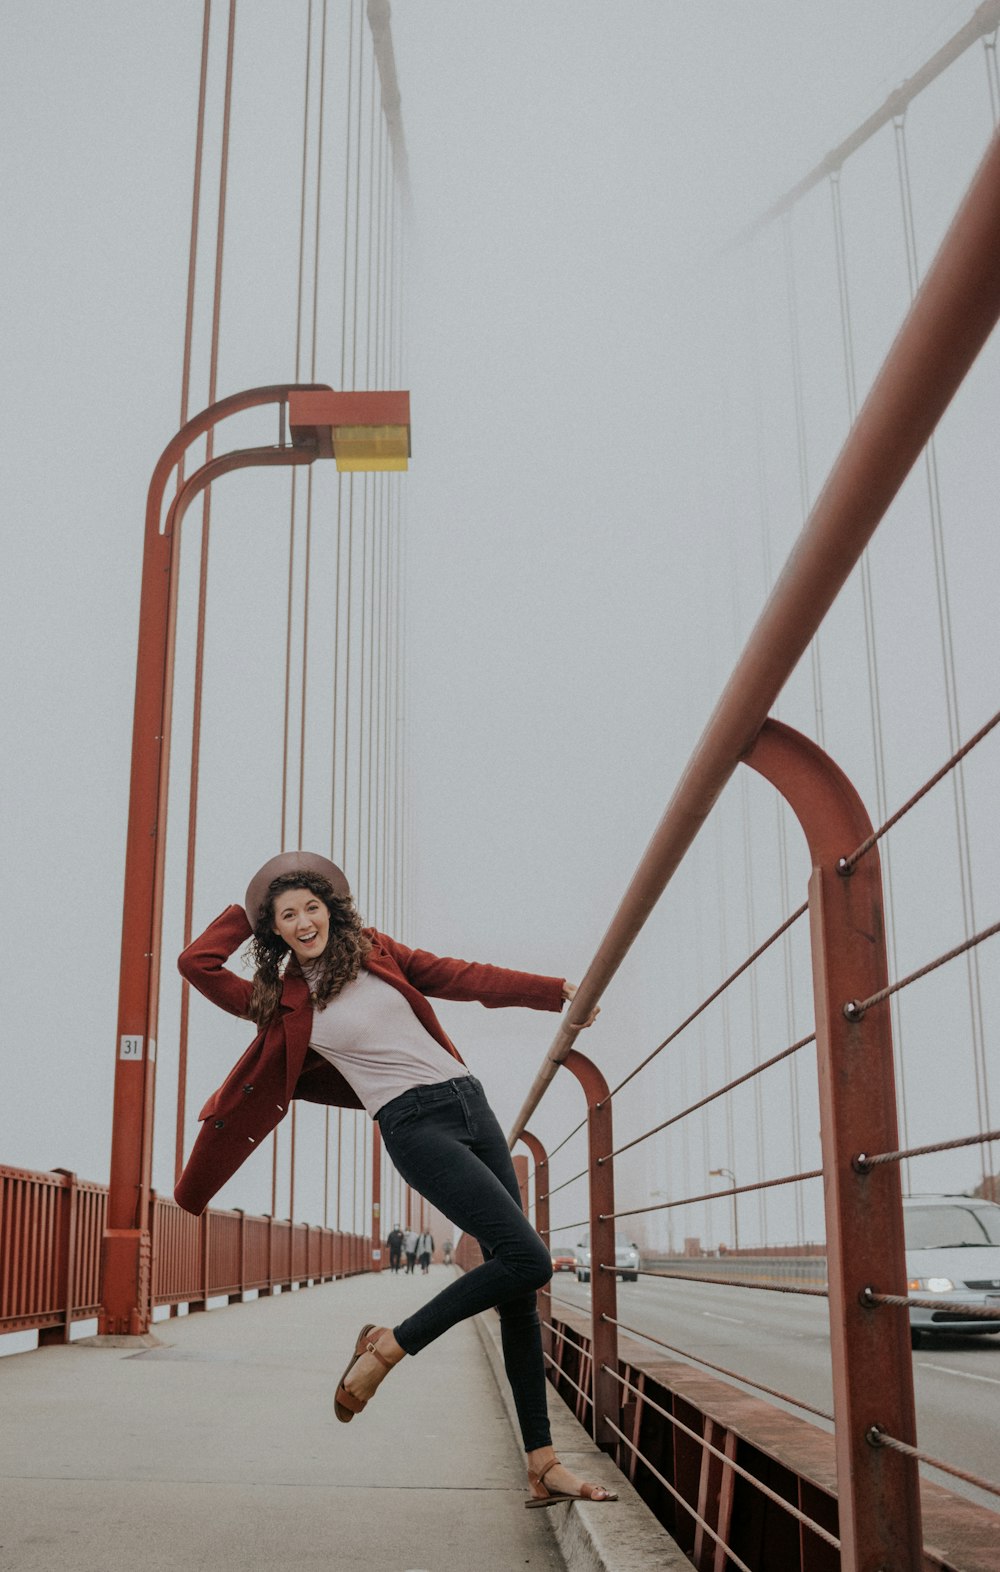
185	1006
856	1008
871	647
978	1047
726	983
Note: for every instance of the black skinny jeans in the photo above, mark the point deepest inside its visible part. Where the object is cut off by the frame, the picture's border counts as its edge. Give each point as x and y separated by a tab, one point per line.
447	1144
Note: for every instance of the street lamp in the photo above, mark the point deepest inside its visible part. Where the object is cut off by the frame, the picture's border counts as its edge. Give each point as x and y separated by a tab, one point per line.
361	431
727	1173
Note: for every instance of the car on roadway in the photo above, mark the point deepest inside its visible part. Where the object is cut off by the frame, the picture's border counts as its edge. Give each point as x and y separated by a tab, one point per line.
563	1260
952	1258
626	1259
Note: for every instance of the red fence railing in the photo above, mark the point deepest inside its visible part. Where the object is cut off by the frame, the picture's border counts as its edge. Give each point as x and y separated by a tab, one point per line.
51	1231
856	1497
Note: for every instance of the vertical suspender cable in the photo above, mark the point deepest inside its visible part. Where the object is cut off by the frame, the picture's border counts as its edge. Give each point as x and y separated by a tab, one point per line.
341	856
871	652
185	397
350	491
951	687
727	1032
802	446
758	1096
340	1153
290	599
399	917
374	741
294	473
386	692
373	491
364	583
780	815
317	221
206	515
992	75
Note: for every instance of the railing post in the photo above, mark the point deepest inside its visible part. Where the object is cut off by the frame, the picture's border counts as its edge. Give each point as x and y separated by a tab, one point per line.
66	1258
877	1488
540	1156
603	1282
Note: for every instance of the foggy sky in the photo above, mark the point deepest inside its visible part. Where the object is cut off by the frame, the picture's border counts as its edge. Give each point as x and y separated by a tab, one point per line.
598	387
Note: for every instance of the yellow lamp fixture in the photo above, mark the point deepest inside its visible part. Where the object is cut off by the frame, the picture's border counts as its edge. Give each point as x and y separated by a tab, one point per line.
363	432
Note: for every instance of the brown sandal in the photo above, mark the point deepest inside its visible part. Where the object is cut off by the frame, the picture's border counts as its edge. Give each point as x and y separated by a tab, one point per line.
345	1404
551	1497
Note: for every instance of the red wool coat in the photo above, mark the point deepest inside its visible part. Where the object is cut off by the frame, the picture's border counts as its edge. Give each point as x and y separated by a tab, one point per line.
280	1065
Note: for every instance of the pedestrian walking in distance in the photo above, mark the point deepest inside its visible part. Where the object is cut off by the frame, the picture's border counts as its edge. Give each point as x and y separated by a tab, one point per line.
343	1018
410	1249
395	1246
425	1249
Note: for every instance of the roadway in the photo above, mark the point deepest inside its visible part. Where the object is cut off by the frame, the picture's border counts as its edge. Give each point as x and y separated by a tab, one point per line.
782	1341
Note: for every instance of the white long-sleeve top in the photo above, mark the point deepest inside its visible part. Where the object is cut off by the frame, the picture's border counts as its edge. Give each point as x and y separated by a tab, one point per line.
370	1034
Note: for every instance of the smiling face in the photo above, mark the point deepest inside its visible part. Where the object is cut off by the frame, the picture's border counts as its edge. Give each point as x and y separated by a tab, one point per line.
302	919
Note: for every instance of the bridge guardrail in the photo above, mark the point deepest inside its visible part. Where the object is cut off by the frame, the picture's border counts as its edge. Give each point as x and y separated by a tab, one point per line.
51	1233
875	1445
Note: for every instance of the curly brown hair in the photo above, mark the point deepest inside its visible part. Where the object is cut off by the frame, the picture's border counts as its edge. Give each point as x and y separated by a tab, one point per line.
340	961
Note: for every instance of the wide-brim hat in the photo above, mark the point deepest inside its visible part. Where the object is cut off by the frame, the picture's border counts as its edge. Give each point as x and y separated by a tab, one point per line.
291	862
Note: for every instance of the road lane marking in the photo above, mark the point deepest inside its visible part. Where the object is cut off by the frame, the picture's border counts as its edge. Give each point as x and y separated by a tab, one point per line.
925	1364
713	1317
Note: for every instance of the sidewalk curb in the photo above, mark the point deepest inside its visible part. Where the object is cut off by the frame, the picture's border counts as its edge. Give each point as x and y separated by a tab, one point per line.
624	1537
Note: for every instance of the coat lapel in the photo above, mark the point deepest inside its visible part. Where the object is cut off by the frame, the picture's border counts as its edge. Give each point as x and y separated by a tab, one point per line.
296	1017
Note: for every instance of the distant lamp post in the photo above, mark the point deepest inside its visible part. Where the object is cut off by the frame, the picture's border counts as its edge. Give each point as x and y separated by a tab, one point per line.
727	1173
362	432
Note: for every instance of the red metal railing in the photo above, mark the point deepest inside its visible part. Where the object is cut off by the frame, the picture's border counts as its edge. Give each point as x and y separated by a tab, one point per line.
51	1231
737	1483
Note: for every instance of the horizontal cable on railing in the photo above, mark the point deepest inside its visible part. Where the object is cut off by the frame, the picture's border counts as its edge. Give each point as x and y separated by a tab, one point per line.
727	1462
557	1187
715	1195
744	966
702	1102
863	1163
565	1227
877	1437
563	1376
566	1139
731	1555
847	863
856	1008
736	1282
557	1301
952	1307
684	1353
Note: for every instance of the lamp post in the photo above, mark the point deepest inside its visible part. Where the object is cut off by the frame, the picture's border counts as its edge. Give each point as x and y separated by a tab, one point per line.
727	1173
361	431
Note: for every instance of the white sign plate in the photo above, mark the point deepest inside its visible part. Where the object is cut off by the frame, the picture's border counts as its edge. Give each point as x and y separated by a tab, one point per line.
130	1048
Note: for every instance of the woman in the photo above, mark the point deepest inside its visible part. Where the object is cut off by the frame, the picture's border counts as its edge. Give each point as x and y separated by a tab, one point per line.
425	1249
343	1019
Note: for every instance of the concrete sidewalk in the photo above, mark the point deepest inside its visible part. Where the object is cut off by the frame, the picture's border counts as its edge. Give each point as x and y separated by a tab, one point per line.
219	1450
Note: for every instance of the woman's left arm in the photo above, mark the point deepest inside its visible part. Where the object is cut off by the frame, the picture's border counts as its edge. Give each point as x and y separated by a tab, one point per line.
446	977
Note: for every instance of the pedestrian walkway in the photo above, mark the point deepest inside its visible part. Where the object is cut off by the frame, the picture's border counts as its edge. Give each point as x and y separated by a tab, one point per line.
219	1450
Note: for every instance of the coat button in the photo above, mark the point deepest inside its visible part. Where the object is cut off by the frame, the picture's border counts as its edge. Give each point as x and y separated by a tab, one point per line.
247	1090
220	1124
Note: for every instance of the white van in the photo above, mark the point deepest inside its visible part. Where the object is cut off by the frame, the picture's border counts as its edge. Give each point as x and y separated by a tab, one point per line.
952	1257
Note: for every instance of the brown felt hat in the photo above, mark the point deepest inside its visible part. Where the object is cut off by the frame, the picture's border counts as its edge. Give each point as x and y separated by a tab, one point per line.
291	862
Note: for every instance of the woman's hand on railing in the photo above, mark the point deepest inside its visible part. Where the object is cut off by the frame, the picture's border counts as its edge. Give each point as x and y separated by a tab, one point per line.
569	993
